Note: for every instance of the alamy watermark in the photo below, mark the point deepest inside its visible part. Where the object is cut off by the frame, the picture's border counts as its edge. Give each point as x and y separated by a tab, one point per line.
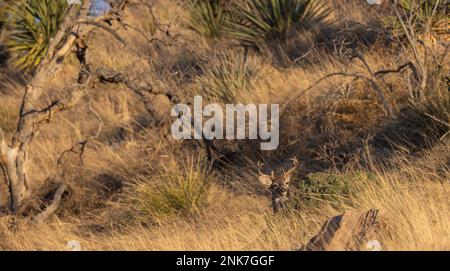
74	2
236	121
375	2
73	245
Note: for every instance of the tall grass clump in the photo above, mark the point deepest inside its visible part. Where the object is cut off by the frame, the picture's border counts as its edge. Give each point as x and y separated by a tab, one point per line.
273	22
31	25
416	205
437	107
2	12
229	76
183	189
8	117
208	17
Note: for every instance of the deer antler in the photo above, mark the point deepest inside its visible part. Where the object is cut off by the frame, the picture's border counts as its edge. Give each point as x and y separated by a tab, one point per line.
295	161
260	165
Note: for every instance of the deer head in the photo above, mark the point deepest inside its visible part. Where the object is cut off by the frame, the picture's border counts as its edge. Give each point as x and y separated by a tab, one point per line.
278	184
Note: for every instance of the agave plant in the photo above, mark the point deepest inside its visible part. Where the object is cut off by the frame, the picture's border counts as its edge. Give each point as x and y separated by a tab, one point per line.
261	21
31	25
208	17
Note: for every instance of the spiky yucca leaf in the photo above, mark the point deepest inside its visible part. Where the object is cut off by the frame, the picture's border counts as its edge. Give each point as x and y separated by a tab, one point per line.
262	21
208	17
31	26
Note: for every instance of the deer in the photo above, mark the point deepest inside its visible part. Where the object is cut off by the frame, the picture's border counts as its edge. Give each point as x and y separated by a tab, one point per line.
278	184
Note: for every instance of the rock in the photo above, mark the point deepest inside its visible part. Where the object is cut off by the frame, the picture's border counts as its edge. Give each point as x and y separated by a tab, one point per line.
350	231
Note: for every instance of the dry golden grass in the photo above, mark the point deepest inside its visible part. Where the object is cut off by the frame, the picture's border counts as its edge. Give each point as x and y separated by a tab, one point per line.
129	192
416	205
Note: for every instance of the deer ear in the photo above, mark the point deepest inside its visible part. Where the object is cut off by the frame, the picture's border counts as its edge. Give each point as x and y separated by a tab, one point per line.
265	180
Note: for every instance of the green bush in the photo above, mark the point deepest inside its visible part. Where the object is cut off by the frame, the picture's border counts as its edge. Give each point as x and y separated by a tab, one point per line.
322	188
180	190
262	22
208	17
31	25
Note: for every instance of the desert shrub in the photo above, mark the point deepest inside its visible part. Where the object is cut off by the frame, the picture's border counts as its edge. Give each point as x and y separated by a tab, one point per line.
179	190
274	22
228	76
323	188
31	25
208	17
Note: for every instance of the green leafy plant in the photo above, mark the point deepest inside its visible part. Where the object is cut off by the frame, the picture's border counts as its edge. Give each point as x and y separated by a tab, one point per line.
321	188
208	17
276	21
31	25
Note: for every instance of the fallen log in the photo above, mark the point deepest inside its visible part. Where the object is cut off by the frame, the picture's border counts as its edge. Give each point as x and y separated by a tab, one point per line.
349	232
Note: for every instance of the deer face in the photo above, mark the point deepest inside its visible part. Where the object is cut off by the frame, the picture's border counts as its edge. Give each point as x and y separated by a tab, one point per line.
278	185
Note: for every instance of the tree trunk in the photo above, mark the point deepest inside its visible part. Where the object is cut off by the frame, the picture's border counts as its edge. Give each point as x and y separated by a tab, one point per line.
13	162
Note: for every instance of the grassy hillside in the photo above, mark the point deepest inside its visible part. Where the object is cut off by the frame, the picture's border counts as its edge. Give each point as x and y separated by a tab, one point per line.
365	108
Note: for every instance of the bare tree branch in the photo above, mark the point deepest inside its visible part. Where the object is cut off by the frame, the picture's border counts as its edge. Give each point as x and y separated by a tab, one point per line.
55	203
14	156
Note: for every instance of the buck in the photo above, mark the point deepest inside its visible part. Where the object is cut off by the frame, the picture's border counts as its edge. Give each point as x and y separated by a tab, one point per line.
278	184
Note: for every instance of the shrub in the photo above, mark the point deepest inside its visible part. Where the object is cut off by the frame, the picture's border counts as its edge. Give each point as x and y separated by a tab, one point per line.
229	76
31	26
322	188
208	17
276	21
179	190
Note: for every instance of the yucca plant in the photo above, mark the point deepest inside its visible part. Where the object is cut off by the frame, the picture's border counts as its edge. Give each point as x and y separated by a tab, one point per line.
208	17
275	21
31	25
